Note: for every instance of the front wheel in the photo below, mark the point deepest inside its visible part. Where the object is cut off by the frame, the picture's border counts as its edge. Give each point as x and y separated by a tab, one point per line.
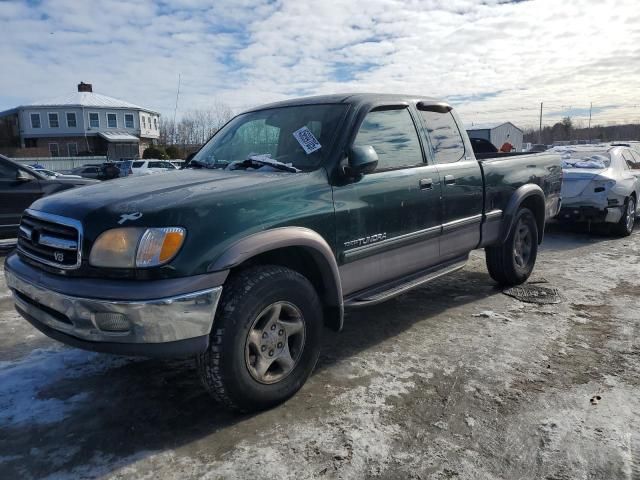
624	227
265	340
512	262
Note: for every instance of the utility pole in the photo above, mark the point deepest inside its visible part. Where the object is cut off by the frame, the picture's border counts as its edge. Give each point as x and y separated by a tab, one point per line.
540	132
590	108
175	110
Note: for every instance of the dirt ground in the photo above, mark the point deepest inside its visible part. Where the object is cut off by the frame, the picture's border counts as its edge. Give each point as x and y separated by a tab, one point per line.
451	381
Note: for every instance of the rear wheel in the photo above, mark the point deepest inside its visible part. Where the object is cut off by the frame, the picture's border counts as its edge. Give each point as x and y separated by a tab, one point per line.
512	262
624	227
265	340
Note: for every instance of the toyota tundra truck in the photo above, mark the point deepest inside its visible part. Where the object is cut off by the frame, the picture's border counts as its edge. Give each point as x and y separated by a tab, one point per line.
292	213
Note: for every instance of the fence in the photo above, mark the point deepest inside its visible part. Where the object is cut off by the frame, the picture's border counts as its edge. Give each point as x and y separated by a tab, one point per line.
60	163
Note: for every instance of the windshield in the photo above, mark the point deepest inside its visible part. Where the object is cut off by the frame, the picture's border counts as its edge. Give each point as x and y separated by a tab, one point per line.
299	136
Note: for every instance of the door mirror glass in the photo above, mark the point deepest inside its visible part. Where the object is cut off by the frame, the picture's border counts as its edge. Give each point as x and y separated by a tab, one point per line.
23	176
362	159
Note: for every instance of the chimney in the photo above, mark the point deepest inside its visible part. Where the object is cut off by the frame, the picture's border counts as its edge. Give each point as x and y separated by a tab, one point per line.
84	87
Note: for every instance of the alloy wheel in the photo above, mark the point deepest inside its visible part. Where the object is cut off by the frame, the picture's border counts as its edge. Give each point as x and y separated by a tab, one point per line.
631	214
275	342
522	244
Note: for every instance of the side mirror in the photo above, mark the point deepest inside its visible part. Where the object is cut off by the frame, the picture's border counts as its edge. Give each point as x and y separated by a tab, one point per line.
362	159
22	176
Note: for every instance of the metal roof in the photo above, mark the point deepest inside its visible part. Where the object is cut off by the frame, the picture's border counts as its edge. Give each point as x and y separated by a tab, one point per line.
119	137
86	99
488	126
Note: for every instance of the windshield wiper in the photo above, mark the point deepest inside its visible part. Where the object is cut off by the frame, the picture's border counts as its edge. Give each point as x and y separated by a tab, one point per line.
264	160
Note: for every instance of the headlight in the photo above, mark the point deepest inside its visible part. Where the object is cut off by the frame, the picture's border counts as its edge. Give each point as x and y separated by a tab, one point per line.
136	247
159	245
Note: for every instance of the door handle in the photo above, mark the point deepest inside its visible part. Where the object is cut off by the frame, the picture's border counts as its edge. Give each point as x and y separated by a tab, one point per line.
449	180
426	184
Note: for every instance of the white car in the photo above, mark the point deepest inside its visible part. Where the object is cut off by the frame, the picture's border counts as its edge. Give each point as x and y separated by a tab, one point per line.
147	167
600	184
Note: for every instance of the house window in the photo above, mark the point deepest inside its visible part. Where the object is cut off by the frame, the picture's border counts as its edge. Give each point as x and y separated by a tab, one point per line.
53	120
144	121
53	150
155	122
128	120
112	120
71	120
94	120
30	142
35	120
72	149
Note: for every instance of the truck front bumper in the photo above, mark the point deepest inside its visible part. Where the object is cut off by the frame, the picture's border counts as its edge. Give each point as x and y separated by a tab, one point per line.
172	325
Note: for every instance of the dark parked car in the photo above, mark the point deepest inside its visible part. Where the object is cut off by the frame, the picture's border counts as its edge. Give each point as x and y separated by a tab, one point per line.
125	167
20	186
291	213
88	171
538	147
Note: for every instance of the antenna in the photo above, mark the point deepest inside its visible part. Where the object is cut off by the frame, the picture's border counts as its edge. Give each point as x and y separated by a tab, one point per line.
175	111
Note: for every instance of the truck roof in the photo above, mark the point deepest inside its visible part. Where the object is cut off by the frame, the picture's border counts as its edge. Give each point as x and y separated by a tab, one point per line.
355	99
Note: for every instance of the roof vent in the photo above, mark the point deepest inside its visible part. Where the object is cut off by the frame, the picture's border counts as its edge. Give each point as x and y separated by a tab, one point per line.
85	87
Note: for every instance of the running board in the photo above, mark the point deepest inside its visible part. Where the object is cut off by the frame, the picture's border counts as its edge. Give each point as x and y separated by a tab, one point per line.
381	294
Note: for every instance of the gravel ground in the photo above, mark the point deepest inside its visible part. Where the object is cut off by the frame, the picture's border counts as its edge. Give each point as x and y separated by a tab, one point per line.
451	381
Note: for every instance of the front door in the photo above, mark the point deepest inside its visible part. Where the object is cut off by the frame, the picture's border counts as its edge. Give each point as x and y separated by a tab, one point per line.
15	196
388	221
461	183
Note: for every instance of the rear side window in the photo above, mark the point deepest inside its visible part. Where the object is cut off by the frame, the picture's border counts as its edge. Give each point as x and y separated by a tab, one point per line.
156	165
137	164
632	159
446	140
393	136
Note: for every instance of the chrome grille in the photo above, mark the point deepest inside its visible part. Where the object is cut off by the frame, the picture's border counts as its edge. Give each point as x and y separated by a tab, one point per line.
50	239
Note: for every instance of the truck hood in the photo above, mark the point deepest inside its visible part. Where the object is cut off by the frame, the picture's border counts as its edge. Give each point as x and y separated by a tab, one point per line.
155	193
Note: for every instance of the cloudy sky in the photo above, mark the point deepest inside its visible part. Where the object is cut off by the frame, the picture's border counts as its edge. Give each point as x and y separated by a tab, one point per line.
493	59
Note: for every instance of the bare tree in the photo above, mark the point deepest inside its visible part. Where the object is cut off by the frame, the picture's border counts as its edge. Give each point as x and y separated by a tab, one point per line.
196	126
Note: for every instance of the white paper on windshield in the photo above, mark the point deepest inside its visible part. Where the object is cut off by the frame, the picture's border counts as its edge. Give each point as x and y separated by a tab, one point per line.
307	140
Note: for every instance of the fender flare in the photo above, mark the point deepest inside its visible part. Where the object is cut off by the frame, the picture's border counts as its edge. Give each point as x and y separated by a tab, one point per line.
282	237
523	193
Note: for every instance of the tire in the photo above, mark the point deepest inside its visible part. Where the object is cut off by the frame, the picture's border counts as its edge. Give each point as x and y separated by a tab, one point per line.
624	227
505	265
242	339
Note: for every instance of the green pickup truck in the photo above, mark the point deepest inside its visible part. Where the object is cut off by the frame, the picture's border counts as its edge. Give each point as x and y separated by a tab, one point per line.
290	214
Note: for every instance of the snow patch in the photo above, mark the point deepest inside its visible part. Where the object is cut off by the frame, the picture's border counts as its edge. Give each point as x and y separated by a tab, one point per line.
21	382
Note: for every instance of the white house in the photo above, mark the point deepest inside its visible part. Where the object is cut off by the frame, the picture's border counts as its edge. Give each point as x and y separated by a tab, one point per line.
83	122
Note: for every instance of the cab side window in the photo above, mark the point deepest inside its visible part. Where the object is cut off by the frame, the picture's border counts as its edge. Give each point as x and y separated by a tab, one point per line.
393	136
7	172
446	140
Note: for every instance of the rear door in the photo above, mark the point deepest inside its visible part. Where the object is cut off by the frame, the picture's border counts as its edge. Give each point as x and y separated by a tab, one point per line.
388	221
15	196
632	158
461	182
